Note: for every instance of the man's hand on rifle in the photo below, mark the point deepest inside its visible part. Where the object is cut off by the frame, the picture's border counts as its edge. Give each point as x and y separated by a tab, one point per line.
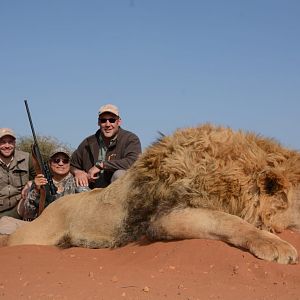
39	181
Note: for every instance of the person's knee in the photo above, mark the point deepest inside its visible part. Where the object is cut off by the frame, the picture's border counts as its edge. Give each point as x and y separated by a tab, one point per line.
117	174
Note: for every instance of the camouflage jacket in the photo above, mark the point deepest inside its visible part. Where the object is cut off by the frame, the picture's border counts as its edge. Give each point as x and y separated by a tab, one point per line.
31	204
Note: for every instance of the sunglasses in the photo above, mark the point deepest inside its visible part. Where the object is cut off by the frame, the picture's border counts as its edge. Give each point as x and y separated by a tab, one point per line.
104	120
58	160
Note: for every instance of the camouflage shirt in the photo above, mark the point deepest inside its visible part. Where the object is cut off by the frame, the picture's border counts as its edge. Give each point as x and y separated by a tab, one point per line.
31	204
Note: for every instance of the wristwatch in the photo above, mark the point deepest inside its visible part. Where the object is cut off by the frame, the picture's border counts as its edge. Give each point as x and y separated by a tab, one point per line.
98	164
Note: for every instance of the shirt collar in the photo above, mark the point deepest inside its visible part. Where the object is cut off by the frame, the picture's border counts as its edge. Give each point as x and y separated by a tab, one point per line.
7	165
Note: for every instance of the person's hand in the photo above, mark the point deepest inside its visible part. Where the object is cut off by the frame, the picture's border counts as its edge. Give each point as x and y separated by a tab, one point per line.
81	178
26	189
39	181
93	173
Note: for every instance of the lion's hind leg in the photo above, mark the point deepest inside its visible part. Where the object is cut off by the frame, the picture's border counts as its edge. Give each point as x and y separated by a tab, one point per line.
191	223
41	231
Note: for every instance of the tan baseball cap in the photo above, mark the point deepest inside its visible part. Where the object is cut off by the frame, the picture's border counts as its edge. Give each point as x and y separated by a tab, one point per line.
7	131
110	108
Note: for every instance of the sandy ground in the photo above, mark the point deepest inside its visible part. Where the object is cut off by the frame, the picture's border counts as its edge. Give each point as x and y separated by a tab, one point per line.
189	270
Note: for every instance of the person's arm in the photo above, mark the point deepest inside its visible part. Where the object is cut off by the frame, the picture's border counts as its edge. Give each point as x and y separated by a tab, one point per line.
81	177
78	168
31	204
26	190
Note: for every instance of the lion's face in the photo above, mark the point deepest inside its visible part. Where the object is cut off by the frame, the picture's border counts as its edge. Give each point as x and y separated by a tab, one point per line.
289	216
294	210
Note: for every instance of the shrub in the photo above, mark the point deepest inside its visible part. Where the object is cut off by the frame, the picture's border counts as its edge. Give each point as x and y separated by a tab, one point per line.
46	145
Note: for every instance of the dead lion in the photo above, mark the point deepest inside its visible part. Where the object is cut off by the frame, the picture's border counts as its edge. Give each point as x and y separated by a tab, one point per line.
204	182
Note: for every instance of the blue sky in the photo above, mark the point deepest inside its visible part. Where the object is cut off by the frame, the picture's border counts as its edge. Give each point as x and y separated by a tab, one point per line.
167	64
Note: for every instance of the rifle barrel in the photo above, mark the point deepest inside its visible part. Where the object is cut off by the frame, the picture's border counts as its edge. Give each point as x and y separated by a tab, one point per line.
30	121
44	166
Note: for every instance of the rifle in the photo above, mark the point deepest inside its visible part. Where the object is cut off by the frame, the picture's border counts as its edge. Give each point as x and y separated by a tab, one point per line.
40	165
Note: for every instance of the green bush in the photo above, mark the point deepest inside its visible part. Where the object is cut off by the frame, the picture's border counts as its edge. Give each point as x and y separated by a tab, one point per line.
46	145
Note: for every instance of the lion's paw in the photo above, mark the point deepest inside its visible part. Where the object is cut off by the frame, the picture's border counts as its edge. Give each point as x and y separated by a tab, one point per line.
270	247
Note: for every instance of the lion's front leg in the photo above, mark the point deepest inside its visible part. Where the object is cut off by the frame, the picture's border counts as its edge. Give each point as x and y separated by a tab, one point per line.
192	223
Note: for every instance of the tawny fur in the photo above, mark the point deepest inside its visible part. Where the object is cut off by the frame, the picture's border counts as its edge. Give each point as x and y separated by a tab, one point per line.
203	182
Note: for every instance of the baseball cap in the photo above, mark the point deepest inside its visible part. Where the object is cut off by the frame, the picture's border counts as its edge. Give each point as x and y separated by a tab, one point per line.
109	108
7	131
59	150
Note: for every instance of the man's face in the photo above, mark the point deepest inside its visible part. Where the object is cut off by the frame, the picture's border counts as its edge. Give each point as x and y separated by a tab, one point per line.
109	124
7	146
60	164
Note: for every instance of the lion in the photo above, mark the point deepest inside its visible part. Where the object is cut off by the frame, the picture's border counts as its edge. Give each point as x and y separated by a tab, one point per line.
203	182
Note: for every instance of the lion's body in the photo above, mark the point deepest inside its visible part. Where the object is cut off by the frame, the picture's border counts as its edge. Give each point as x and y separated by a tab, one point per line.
204	182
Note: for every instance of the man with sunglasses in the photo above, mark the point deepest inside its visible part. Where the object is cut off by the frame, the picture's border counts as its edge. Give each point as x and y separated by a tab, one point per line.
59	164
104	156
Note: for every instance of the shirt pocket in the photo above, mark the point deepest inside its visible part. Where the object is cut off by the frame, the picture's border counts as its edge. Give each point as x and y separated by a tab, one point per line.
19	178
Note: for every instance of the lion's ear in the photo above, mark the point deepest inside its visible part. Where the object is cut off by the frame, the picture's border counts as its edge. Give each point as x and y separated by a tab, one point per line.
270	182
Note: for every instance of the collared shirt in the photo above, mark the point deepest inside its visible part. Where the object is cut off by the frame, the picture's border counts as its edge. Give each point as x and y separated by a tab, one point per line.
103	149
7	165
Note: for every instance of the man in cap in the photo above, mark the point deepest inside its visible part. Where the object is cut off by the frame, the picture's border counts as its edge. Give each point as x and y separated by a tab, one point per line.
15	172
104	156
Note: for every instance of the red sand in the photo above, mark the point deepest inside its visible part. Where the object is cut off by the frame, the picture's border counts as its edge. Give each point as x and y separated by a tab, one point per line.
184	270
